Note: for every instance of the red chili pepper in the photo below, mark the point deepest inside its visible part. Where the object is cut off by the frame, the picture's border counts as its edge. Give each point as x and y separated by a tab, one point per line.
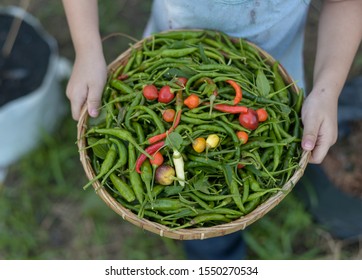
243	136
150	92
231	109
192	101
150	150
157	159
168	115
123	77
262	114
238	91
177	120
165	94
162	136
249	120
181	81
240	166
156	138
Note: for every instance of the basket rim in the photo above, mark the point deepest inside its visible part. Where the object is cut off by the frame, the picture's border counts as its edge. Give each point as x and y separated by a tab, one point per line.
188	233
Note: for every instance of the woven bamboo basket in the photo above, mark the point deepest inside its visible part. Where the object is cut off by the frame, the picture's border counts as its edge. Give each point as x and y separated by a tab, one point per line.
188	233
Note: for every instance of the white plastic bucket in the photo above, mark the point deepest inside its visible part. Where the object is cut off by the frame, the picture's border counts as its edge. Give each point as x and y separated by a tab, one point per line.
24	120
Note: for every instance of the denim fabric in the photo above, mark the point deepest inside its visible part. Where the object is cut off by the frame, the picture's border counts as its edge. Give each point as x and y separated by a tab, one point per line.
228	247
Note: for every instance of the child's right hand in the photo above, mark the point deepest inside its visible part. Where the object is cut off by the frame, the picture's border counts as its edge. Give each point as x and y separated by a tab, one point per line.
86	83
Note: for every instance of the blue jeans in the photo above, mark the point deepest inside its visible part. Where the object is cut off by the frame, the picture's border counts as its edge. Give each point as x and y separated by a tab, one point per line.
228	247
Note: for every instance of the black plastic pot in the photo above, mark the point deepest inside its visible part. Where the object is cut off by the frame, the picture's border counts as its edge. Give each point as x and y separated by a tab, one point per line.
24	69
31	96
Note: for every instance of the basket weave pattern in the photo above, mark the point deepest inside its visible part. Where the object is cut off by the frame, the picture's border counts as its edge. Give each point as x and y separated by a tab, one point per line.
190	233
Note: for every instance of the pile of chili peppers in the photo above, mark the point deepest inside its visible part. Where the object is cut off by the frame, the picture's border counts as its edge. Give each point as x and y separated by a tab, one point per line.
196	129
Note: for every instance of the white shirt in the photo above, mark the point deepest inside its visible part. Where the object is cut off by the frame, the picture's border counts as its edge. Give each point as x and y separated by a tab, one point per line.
277	26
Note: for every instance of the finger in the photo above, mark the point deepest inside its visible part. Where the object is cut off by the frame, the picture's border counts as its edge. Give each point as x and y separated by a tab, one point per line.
310	135
94	99
327	136
76	101
319	153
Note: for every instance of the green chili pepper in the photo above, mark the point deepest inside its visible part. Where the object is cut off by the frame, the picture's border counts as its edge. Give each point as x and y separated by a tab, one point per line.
193	120
205	116
202	203
122	158
117	71
106	165
130	62
99	146
210	197
124	98
246	186
134	177
139	132
146	176
136	101
279	85
171	52
260	194
263	144
139	58
254	185
235	126
278	151
209	128
164	204
202	75
155	65
233	136
121	86
204	218
293	146
121	134
267	155
234	190
156	190
155	117
215	55
123	188
136	208
182	127
251	205
180	34
299	103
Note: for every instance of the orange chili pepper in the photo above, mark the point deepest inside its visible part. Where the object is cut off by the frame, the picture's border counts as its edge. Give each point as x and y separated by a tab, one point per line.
238	91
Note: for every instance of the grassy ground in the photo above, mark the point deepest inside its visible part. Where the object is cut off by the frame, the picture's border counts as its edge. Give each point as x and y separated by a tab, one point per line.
45	214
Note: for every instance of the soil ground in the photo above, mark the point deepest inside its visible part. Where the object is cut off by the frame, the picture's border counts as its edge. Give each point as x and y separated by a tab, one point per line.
343	163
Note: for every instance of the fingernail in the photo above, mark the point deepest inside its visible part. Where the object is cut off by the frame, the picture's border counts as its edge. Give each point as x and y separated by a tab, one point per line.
93	113
308	145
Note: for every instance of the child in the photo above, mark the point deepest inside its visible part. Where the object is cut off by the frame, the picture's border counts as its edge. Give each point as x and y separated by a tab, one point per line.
276	26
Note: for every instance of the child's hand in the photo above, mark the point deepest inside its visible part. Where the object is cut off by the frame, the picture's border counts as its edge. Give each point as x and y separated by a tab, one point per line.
319	116
86	84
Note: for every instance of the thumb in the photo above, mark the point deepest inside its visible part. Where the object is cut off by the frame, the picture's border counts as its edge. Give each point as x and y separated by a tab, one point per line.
310	135
93	101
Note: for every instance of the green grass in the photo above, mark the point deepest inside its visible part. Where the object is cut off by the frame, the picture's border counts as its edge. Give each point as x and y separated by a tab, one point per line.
45	213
